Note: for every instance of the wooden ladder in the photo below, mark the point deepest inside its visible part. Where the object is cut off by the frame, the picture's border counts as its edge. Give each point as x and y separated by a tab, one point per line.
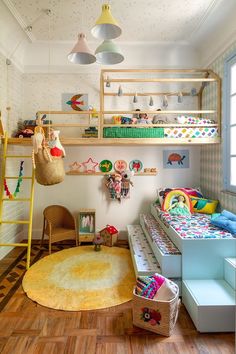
3	199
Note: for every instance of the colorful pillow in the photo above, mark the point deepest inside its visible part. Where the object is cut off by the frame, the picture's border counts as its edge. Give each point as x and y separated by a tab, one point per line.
172	197
162	192
202	205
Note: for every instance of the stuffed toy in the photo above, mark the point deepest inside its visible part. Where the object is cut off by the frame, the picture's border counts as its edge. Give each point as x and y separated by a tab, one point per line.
177	202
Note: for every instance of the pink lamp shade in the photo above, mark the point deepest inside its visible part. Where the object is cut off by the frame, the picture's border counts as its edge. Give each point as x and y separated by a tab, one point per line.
81	54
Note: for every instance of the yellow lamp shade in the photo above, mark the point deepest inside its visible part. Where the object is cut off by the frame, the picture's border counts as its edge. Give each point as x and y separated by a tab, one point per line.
106	27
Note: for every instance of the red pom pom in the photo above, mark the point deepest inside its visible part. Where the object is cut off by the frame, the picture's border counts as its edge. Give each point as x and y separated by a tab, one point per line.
56	152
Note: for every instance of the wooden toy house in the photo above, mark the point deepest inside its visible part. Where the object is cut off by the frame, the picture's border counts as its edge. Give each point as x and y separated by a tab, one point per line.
109	235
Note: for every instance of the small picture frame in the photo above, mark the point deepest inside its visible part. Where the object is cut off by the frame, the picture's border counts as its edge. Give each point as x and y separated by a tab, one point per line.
86	224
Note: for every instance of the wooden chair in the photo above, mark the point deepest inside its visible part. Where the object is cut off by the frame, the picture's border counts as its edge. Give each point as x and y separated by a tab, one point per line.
59	224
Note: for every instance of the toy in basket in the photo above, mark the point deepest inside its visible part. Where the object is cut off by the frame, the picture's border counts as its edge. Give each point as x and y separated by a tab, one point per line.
155	304
109	235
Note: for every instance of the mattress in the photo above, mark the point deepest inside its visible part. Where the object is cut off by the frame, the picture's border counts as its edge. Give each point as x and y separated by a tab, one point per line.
158	132
197	226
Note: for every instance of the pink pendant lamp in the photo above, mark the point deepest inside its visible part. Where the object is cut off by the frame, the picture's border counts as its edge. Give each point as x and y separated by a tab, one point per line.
81	54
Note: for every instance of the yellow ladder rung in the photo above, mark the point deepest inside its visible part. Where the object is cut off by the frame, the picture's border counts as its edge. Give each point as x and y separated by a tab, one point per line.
14	244
16	200
18	156
15	222
3	199
11	177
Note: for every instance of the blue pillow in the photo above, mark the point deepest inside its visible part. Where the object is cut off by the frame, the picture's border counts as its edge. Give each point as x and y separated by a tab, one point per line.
226	220
229	215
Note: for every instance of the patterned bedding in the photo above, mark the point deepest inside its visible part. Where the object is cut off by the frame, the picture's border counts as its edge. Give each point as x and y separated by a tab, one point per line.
197	226
158	235
198	132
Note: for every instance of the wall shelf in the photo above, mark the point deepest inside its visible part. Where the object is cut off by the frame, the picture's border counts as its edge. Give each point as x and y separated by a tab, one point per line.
78	173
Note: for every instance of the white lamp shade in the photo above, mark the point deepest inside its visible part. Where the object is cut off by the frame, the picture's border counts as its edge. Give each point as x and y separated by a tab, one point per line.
106	27
81	54
108	53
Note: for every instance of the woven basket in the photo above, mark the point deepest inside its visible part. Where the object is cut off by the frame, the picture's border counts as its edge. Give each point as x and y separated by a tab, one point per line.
48	172
156	316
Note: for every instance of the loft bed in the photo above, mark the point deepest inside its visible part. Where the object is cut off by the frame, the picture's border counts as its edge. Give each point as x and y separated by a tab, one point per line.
198	120
185	109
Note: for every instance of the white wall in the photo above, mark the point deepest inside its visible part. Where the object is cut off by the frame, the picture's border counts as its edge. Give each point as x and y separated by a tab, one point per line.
89	191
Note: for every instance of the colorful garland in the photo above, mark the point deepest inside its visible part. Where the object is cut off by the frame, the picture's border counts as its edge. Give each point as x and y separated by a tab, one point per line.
19	181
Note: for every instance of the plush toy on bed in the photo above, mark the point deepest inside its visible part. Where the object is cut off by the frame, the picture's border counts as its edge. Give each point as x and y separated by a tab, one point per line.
179	207
177	202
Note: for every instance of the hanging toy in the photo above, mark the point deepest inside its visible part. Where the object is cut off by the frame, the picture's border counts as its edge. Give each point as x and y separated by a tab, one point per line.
19	181
56	149
38	139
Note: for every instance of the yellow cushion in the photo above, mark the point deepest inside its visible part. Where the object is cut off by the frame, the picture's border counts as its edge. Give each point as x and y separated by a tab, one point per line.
201	205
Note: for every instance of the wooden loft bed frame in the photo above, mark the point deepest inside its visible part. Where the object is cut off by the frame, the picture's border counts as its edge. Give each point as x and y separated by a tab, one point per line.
161	76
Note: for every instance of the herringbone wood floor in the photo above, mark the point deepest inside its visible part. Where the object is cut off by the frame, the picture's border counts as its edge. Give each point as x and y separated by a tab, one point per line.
28	328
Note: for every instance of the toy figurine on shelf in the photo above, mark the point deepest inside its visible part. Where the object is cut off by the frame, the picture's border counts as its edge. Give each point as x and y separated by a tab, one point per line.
97	241
143	119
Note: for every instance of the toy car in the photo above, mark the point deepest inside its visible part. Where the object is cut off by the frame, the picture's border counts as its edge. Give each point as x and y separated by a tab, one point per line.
25	133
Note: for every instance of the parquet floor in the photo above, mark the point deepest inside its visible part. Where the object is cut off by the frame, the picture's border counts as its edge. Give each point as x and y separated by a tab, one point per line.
28	328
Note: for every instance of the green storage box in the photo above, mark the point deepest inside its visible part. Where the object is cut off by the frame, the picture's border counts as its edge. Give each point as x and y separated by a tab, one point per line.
133	132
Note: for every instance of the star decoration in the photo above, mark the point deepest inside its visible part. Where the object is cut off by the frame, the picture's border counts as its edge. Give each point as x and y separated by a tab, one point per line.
89	165
75	166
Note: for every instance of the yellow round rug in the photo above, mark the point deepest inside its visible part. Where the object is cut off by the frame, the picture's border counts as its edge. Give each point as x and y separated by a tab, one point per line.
81	279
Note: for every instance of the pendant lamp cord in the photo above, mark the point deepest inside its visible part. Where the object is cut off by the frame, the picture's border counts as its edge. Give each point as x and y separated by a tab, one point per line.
7	100
49	71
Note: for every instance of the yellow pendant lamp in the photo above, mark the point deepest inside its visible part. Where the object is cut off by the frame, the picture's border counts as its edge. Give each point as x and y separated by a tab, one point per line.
106	27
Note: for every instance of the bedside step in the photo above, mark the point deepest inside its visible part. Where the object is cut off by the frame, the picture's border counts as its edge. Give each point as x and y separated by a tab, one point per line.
210	303
230	271
144	261
167	254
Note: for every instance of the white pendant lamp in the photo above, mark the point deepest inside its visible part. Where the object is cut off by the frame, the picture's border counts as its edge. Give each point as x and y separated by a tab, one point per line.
81	54
180	97
106	27
135	99
108	53
108	84
120	91
151	103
